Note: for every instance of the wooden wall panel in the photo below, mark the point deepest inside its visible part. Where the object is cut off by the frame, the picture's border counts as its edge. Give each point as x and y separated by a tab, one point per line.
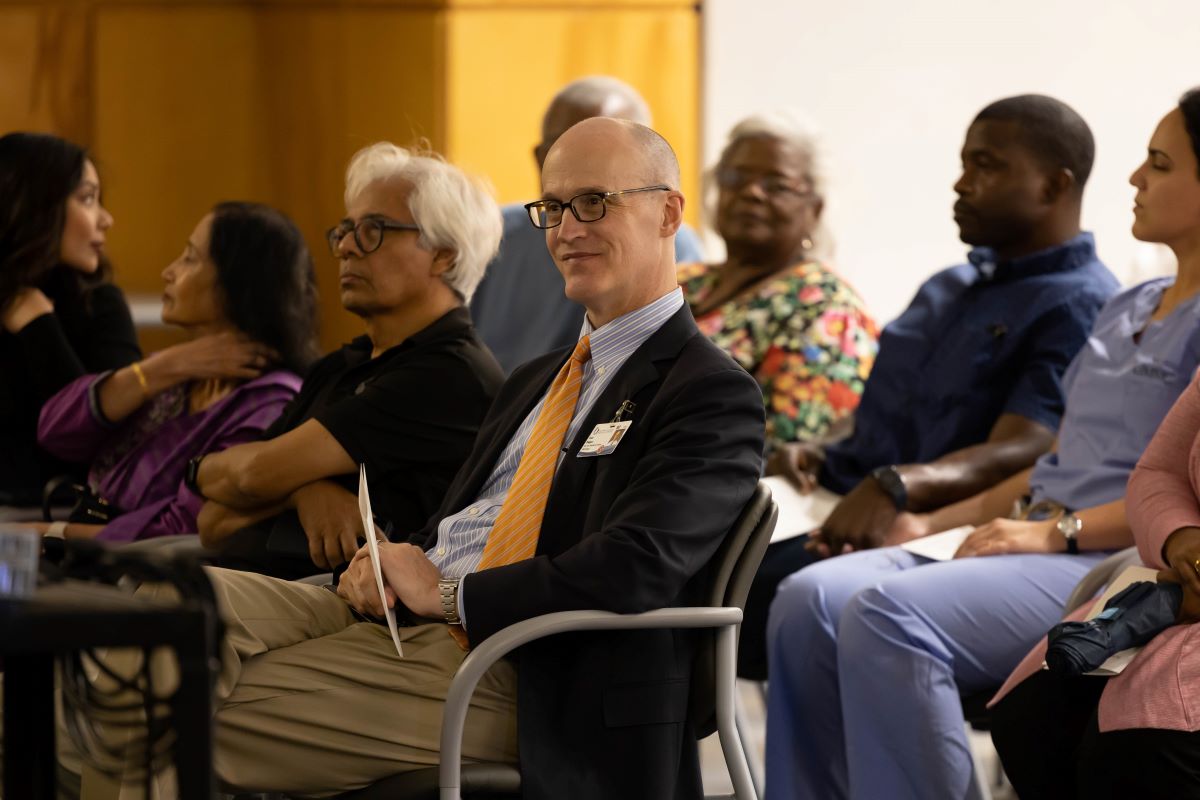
189	102
509	63
45	68
198	104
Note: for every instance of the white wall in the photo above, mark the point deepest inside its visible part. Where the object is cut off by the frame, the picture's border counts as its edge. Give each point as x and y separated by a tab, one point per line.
894	85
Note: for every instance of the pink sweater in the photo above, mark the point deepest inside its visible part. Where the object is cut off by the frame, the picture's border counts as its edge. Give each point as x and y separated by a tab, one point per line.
1161	687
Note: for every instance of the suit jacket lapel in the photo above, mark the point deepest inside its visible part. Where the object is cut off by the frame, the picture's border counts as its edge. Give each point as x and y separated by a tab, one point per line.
499	432
642	369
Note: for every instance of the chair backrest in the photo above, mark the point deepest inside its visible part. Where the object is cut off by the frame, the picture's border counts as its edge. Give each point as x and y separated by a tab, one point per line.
731	572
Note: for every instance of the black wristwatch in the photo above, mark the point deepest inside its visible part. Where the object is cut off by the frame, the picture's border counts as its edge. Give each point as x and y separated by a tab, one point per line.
191	474
889	479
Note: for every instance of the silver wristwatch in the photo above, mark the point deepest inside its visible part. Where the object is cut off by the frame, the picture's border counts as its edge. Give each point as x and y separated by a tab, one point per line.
448	589
1069	526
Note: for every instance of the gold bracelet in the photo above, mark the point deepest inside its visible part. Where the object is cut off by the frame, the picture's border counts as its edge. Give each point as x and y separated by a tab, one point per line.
141	376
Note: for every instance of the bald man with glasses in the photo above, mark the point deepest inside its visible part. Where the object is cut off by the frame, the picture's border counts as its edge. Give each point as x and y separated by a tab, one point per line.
545	516
521	309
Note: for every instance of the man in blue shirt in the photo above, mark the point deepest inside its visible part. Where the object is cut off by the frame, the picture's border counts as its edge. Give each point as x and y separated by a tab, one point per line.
520	309
967	387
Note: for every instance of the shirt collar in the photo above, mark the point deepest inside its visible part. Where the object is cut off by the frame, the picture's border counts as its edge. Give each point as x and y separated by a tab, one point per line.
1060	258
623	335
454	323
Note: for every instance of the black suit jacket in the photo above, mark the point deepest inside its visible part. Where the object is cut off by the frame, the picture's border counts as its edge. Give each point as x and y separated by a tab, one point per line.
605	715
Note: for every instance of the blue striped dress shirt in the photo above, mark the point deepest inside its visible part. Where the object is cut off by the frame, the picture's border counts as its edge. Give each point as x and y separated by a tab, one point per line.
462	536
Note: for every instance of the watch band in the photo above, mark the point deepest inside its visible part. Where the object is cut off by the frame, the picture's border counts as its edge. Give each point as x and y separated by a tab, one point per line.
56	530
892	483
191	474
448	590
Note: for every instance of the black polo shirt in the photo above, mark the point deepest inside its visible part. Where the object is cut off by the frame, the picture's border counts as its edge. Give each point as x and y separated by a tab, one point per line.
410	414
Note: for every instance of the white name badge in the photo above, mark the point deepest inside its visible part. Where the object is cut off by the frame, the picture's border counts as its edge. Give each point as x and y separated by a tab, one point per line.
604	439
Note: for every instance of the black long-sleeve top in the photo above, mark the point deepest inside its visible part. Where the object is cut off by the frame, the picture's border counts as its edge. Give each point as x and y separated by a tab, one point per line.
83	335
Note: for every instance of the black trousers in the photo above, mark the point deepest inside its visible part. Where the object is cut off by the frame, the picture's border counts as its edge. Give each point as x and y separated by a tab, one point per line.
780	560
1051	747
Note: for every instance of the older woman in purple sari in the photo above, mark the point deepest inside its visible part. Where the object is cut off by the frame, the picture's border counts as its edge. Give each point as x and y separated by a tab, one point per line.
244	291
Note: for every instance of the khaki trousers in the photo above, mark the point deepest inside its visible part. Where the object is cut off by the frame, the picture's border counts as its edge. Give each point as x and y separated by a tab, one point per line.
311	701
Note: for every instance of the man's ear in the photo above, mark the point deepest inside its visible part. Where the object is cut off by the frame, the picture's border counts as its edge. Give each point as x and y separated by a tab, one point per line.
443	261
672	216
1057	185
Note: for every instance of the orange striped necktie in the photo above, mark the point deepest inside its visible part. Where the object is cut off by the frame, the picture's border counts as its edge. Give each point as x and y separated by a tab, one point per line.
514	537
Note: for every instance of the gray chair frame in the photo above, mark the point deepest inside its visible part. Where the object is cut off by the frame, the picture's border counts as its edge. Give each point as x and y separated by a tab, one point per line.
1100	576
714	672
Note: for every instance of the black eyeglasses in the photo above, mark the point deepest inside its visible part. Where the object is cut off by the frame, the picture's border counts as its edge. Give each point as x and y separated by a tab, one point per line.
587	207
772	185
368	233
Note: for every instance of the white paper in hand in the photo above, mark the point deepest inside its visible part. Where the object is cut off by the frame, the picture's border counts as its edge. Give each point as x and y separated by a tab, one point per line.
368	523
940	546
799	513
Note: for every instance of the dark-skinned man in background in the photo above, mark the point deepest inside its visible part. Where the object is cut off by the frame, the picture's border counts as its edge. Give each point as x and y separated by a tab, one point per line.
966	389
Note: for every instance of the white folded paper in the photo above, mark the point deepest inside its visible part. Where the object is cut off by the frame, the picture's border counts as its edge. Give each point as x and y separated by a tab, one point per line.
368	523
939	546
799	513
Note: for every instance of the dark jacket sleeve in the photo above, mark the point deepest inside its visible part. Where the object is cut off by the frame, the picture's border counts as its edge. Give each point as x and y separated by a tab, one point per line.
696	472
83	336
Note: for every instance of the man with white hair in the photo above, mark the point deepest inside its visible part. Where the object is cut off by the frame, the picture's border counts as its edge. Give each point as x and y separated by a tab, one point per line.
520	309
406	399
312	700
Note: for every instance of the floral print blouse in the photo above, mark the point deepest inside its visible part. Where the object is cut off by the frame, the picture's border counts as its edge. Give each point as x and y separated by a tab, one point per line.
804	335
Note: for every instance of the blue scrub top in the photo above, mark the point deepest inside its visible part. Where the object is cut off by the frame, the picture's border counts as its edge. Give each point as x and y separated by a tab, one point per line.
1118	391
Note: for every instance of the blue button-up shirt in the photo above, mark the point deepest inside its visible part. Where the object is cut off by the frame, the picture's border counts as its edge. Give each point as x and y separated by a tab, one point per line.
979	340
520	308
1118	391
462	536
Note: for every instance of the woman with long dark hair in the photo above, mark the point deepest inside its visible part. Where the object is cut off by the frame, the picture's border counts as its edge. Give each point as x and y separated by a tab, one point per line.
244	291
59	315
1136	734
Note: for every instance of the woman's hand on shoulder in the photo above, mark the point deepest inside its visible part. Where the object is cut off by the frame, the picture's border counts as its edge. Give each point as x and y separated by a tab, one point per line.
227	355
28	304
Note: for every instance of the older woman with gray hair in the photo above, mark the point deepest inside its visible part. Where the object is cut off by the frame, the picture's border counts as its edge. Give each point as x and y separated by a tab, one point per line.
405	400
782	313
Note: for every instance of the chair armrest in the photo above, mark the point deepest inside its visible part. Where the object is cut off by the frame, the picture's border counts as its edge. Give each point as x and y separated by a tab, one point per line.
499	644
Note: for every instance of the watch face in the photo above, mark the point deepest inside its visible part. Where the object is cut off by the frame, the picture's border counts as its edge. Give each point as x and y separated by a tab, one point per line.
1069	525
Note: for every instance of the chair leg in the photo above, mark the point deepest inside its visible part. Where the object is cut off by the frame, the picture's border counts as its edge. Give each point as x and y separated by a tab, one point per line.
748	745
731	743
979	788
